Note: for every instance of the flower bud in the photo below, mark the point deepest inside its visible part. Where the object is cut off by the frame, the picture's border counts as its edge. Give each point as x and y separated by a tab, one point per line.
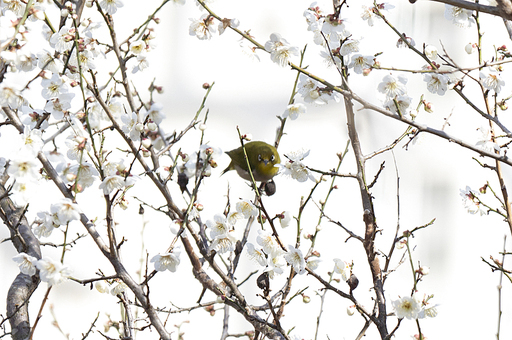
139	127
470	48
101	287
124	203
424	270
152	126
146	143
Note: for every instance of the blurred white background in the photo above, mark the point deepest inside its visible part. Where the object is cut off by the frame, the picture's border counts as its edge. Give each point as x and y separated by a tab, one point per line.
250	94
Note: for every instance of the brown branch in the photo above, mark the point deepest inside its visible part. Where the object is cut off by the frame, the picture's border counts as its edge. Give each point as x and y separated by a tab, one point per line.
369	221
23	285
493	10
91	229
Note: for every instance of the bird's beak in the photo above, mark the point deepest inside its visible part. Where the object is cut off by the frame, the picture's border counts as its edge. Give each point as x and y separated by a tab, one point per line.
265	161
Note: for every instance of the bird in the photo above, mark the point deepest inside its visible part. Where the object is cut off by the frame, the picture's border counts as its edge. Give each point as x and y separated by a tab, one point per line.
262	158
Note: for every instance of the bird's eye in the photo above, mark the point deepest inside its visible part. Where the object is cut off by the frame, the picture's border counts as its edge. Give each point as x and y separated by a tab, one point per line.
259	158
272	158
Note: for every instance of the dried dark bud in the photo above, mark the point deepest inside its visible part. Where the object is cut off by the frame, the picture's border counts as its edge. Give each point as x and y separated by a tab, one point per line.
141	210
270	188
352	282
182	181
263	283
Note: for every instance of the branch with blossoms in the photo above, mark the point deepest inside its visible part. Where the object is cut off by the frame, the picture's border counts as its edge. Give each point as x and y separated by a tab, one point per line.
398	103
77	152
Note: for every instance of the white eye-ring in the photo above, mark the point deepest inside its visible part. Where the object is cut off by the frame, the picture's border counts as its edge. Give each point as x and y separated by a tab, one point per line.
259	158
272	158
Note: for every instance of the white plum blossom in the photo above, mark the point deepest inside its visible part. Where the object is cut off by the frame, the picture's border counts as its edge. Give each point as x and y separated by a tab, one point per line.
280	50
84	174
31	141
343	268
63	40
369	13
111	6
52	272
119	288
223	243
46	61
10	96
30	117
225	23
295	258
436	83
155	113
78	146
392	86
285	219
138	47
471	201
267	242
8	22
249	49
111	183
275	262
46	225
58	106
431	52
491	79
26	263
314	18
294	110
407	307
66	211
219	226
349	46
313	92
459	16
313	263
255	254
309	89
428	310
86	60
246	208
142	63
25	168
131	126
398	104
334	30
486	141
22	192
202	28
295	168
167	261
26	60
111	167
206	152
361	63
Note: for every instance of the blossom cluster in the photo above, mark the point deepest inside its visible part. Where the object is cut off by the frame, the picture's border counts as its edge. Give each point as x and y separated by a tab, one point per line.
50	271
414	307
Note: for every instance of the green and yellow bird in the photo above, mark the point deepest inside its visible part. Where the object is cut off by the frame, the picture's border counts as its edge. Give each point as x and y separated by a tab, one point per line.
262	158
